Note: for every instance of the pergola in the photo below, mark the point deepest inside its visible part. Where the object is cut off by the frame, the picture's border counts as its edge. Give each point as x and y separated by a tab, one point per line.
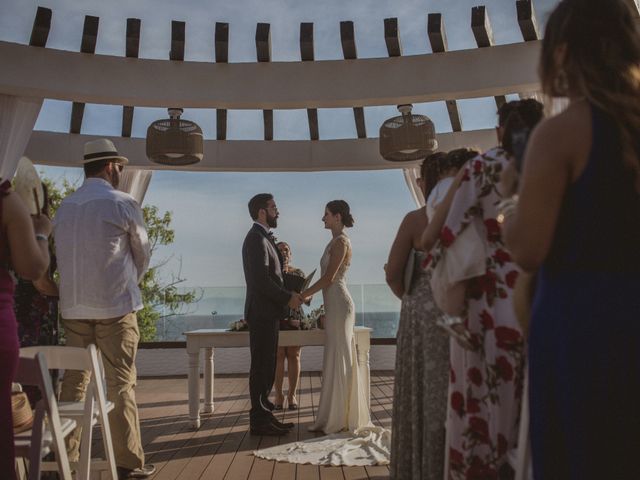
33	72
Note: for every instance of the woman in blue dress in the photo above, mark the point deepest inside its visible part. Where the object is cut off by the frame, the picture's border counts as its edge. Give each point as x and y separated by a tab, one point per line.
577	222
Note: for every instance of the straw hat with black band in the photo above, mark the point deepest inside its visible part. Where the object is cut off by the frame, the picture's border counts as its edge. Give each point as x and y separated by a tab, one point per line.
102	149
21	412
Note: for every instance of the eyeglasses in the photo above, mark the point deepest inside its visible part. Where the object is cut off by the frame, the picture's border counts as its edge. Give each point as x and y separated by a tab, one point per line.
119	166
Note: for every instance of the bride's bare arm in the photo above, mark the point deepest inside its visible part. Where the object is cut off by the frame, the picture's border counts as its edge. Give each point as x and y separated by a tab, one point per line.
337	255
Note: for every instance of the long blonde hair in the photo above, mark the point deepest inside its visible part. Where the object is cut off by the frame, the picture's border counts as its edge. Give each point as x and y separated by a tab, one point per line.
601	63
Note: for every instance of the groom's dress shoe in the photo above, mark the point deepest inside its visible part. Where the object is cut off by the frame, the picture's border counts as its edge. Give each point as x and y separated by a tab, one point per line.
279	424
268	429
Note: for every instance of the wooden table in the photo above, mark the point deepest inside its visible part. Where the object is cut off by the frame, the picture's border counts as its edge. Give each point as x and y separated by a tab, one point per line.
211	338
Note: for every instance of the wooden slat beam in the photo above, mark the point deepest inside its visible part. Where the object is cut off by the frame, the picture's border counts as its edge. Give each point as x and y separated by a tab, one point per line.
41	27
221	37
133	37
267	116
392	37
306	42
221	124
132	49
177	41
483	34
527	20
348	40
436	33
88	45
263	52
307	54
60	149
44	73
89	34
438	40
481	26
263	42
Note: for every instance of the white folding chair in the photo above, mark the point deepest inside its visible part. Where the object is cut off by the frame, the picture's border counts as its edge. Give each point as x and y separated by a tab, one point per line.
93	410
36	443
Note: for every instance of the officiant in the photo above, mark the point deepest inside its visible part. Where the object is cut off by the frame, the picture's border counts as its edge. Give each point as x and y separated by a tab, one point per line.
293	280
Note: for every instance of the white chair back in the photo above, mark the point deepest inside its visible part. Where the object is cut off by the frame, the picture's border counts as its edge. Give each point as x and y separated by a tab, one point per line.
34	371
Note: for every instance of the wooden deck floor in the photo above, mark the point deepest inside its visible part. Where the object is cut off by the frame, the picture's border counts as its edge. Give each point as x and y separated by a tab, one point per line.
221	448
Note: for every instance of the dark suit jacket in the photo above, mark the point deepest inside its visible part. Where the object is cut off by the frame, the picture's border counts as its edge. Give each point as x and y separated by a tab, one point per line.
267	297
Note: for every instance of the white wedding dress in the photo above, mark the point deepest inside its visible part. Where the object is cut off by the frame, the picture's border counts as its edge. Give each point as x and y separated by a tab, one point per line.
343	411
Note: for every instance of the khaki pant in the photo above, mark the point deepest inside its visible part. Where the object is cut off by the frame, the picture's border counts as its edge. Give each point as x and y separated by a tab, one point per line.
117	339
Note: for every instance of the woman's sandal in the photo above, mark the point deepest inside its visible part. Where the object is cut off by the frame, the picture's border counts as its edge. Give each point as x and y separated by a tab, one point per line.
292	405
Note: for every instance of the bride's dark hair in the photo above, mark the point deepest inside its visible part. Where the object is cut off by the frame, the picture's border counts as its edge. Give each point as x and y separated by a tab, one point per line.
341	207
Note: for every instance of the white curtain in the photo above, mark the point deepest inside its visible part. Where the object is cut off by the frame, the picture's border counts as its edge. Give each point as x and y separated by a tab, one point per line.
135	182
411	174
18	116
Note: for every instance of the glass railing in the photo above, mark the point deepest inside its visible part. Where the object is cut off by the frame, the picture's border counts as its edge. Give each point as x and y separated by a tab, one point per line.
376	307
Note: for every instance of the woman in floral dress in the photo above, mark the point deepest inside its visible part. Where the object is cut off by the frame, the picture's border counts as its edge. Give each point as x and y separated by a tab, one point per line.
485	379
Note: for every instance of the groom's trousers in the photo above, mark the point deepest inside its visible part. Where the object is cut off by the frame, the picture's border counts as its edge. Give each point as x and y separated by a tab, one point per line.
263	343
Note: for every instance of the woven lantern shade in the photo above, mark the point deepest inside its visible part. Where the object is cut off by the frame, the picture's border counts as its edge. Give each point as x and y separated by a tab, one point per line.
174	141
407	137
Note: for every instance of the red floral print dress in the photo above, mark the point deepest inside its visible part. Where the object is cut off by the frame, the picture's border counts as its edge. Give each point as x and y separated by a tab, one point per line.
486	382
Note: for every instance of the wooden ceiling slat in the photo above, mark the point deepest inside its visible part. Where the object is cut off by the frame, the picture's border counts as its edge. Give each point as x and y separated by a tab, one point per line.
348	41
221	124
87	45
483	34
436	33
127	120
41	27
306	42
267	116
307	54
263	52
89	34
481	26
527	20
132	50
221	37
177	41
392	37
438	40
263	42
312	116
133	37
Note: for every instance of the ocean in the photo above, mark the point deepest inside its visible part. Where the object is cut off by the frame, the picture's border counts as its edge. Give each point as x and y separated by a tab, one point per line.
376	307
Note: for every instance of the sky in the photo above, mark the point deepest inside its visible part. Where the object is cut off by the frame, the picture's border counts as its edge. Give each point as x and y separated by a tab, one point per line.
210	215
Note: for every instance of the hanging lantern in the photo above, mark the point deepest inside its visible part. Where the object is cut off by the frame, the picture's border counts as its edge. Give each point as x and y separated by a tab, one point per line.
174	141
407	137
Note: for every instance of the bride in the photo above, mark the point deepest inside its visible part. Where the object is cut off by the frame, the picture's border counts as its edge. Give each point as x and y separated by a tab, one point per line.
343	411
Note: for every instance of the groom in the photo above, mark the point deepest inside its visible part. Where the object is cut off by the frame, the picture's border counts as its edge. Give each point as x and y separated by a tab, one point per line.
265	305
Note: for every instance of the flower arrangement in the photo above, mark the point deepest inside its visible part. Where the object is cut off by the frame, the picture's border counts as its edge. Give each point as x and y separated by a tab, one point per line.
239	325
313	319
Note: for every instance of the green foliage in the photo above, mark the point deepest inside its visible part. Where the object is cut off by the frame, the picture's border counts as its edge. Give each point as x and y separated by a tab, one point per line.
161	298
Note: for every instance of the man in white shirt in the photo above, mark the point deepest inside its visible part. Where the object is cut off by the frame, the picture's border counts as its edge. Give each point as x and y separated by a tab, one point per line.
103	251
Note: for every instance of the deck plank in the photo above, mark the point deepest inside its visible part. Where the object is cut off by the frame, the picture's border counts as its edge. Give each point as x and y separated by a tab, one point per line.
223	448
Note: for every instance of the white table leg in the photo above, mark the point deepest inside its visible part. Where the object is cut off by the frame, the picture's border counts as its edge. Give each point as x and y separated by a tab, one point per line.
362	347
194	389
208	380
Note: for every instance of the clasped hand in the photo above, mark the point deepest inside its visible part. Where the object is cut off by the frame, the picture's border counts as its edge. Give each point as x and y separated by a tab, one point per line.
296	300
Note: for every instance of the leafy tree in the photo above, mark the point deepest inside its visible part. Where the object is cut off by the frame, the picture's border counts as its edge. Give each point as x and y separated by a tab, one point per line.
161	298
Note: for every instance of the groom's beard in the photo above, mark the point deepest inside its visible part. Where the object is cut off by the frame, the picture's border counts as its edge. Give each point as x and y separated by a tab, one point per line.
272	221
